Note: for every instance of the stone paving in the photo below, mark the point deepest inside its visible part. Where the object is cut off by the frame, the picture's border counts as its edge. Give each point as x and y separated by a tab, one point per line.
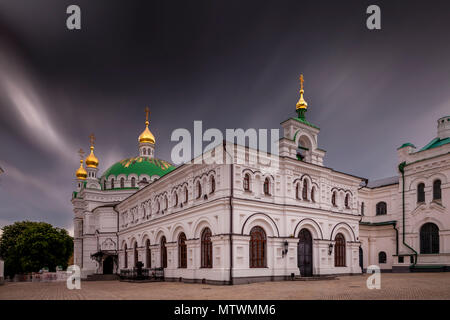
393	286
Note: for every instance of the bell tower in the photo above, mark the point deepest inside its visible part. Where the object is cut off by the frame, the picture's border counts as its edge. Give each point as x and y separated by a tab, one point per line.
300	136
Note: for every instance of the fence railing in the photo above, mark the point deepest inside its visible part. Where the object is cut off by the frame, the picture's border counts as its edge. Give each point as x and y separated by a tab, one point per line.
143	274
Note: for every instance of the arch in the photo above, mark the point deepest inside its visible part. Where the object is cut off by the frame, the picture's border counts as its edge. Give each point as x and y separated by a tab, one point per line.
122	182
311	225
133	182
199	225
182	250
263	219
198	189
305	190
339	251
206	249
347	201
178	228
343	227
267	186
334	198
429	238
258	248
305	252
212	182
125	257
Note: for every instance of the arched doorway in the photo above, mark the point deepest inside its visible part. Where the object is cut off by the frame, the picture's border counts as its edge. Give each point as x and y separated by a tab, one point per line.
429	238
108	265
304	253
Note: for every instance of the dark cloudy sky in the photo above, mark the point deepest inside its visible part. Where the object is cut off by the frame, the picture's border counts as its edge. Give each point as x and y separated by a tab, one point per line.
232	64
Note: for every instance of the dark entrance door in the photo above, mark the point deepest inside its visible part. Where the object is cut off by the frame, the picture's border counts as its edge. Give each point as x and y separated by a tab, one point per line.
108	265
304	253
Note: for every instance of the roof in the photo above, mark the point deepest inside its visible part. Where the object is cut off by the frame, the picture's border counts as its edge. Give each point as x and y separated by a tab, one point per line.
408	144
383	182
436	142
138	166
303	121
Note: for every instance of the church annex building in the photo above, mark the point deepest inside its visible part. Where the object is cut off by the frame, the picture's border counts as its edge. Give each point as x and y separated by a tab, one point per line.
238	223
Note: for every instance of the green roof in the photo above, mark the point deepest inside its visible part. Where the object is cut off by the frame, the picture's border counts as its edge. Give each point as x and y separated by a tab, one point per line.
305	122
436	142
138	166
408	144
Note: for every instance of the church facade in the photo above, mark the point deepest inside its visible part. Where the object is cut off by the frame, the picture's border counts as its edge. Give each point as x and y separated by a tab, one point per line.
245	221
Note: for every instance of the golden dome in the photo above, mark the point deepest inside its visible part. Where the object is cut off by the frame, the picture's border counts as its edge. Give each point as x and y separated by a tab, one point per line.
146	136
301	104
81	172
91	160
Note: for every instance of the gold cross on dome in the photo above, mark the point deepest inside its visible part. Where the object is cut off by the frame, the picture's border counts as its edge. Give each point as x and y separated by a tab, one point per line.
92	139
147	112
81	153
301	81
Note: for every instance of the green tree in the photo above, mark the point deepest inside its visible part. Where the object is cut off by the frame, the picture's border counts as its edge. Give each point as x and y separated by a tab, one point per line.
27	246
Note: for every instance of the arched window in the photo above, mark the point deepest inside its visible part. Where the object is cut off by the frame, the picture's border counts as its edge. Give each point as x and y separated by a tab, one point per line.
305	190
362	208
247	182
136	255
339	251
176	199
144	179
437	193
333	199
297	190
159	206
166	203
429	238
104	185
421	192
347	201
199	190
257	248
182	251
382	257
163	252
213	184
112	183
381	208
133	182
266	186
313	195
186	196
144	151
125	256
148	255
206	249
122	183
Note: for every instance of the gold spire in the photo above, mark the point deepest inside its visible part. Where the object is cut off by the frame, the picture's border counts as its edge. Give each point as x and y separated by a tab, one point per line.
81	172
91	160
301	104
146	136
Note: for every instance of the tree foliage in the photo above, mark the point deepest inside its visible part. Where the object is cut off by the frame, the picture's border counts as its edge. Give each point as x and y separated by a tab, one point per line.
27	246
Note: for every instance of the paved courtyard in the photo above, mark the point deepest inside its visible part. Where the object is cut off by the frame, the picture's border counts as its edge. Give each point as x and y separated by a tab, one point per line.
393	286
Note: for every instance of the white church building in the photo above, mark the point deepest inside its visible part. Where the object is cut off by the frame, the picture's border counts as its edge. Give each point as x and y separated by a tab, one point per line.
238	222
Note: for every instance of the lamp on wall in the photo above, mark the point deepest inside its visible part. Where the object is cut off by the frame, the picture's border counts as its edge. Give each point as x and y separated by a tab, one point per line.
330	249
286	248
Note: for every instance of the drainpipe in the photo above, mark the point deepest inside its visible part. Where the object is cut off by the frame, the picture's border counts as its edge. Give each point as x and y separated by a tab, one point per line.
231	214
401	168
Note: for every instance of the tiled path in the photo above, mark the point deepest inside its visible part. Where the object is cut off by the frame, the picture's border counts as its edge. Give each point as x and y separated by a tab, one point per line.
393	286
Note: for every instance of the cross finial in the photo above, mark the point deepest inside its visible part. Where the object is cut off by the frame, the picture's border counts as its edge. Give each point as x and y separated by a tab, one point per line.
301	81
147	112
81	153
92	139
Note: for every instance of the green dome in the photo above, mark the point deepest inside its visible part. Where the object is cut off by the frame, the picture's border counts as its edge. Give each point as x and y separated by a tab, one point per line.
138	166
